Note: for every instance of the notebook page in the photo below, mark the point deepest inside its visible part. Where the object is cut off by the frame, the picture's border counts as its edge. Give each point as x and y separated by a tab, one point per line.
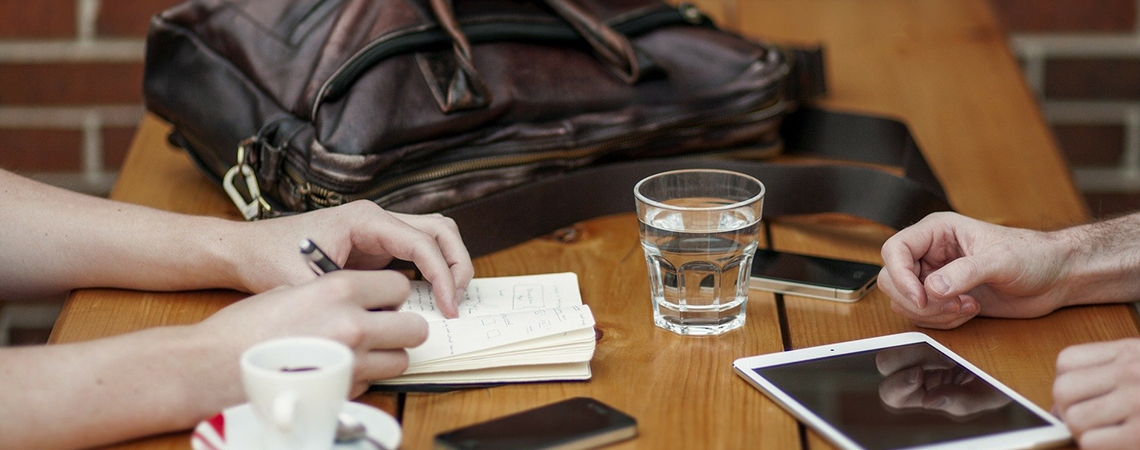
489	296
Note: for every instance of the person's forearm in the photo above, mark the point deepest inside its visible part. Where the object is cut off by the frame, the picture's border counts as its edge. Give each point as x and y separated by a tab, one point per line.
53	240
1104	265
94	393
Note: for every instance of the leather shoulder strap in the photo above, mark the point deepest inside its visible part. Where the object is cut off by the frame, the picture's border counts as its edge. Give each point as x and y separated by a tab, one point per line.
531	210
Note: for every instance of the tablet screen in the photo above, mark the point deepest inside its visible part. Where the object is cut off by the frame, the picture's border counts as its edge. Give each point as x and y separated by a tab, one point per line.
900	397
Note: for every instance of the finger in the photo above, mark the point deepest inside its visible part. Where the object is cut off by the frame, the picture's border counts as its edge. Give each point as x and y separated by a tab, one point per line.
901	254
930	319
384	289
408	243
384	330
888	286
938	313
1122	436
1098	412
1098	353
964	274
1078	386
446	233
947	323
380	364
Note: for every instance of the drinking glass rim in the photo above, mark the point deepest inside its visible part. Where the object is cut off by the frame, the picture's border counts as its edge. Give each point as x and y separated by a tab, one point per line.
741	203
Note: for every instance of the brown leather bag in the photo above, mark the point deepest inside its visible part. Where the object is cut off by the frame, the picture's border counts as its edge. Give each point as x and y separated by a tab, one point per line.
426	106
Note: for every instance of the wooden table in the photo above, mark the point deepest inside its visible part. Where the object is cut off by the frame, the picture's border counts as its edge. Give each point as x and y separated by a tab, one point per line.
942	66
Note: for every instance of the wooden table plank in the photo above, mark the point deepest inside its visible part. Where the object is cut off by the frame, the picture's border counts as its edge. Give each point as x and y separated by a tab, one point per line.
680	389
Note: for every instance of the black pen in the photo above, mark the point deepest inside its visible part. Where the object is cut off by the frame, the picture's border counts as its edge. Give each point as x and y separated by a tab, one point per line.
318	261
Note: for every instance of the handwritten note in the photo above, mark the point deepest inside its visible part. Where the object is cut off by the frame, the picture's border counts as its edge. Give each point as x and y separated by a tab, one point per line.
486	296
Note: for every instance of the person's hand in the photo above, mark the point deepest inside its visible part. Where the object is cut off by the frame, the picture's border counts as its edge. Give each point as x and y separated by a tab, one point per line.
335	306
358	235
920	377
948	268
1097	393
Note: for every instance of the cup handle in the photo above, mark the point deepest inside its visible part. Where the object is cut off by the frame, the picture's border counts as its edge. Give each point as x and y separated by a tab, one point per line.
284	407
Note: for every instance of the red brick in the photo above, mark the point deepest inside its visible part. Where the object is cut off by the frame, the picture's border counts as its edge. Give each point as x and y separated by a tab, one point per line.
119	18
1091	145
1108	205
116	142
37	18
40	150
71	84
1100	79
1067	15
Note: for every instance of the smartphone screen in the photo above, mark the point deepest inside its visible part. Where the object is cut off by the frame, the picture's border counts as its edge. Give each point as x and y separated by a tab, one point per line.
577	423
812	276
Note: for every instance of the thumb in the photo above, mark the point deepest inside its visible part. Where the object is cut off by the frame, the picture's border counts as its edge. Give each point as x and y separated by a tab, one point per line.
962	275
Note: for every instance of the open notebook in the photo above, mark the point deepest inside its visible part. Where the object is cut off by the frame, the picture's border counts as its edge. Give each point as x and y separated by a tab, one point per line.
509	329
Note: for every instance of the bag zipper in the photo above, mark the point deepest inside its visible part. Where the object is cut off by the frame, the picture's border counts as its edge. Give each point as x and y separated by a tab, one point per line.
325	197
430	38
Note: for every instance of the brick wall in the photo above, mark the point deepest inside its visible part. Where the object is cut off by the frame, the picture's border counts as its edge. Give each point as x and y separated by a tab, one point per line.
71	87
1082	58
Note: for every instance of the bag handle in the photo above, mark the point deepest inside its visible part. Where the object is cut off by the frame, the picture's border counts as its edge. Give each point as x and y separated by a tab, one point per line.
614	48
454	81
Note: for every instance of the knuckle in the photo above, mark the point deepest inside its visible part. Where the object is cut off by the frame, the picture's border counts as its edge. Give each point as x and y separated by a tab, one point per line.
448	222
337	287
352	334
397	284
1076	418
1132	426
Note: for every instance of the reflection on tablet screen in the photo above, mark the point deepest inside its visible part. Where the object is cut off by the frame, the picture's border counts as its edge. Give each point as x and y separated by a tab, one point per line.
900	397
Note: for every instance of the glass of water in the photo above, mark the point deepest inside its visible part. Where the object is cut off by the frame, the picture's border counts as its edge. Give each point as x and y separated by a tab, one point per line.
699	231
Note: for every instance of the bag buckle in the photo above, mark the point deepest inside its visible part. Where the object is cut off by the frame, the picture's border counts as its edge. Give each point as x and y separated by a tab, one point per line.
254	206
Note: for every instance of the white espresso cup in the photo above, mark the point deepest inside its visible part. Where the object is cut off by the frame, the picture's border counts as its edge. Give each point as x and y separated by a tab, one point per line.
297	387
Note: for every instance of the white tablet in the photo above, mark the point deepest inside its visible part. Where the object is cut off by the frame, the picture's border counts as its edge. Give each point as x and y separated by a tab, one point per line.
900	391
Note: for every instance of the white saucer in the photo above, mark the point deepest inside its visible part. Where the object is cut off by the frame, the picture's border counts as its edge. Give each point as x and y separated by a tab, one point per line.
236	429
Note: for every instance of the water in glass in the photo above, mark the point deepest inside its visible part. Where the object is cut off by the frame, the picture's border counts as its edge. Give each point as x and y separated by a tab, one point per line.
699	264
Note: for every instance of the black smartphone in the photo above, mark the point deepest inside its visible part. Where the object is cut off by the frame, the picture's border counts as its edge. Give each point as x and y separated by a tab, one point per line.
812	276
576	423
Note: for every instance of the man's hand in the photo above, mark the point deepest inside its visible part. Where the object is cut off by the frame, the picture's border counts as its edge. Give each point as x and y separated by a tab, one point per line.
1097	393
948	268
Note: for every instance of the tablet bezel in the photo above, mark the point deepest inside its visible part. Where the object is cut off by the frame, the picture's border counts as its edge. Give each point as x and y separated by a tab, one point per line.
1054	434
